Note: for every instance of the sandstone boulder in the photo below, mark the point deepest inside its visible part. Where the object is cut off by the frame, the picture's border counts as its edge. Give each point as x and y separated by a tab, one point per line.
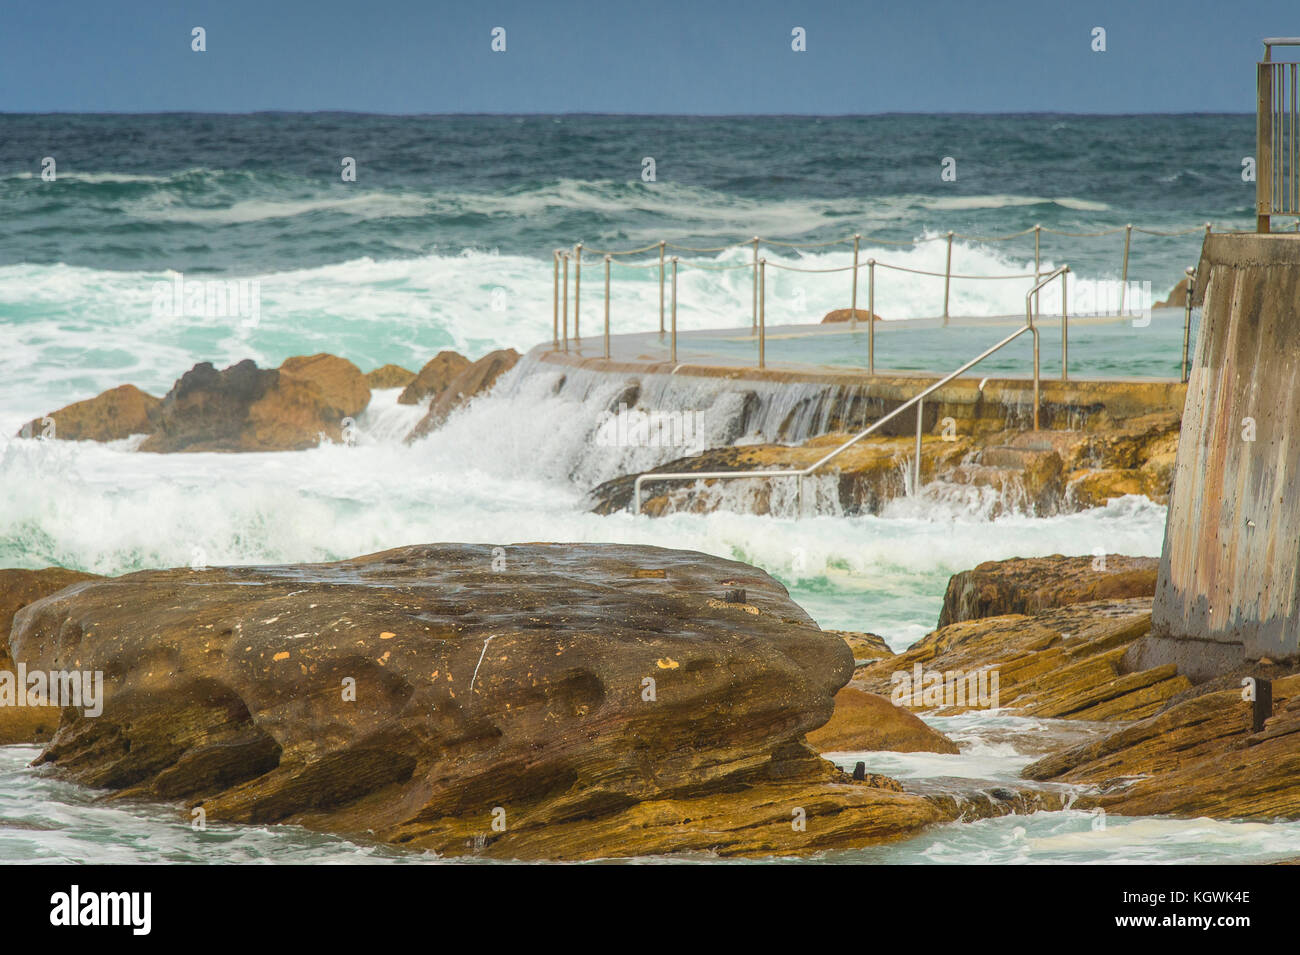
389	376
474	380
1028	585
596	699
434	378
117	413
244	408
867	722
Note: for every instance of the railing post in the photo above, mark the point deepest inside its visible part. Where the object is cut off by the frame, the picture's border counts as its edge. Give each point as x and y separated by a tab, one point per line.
916	470
762	312
1065	327
565	256
1123	281
1264	142
555	300
853	305
674	310
1187	319
577	291
1038	231
754	323
947	278
871	316
661	288
608	258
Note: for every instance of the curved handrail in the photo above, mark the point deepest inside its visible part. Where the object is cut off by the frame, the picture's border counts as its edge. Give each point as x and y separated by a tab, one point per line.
801	473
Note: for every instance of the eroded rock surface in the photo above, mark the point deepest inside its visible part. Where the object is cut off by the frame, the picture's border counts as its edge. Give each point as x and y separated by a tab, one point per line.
1027	585
606	699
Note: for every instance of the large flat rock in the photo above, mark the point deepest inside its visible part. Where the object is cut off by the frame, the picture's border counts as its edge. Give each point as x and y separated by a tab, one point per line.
492	685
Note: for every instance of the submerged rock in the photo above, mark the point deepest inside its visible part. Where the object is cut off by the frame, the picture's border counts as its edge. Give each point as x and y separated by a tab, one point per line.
117	413
532	701
1028	585
244	408
473	380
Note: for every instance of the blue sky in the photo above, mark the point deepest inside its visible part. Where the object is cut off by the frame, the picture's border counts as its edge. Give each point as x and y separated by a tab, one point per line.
664	56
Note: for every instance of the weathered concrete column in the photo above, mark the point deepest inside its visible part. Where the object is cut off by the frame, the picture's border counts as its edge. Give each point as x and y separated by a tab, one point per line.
1229	585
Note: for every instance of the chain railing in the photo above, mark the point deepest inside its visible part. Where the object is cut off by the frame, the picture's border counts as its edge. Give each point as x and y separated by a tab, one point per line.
1277	176
669	265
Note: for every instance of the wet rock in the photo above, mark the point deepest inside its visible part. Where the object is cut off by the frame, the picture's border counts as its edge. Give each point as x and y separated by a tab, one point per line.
434	378
1064	663
389	376
866	722
866	647
244	408
1040	473
586	700
1199	757
18	589
1026	586
471	382
117	413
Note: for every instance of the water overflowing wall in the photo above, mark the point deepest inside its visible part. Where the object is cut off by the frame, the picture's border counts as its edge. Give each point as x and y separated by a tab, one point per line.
1229	584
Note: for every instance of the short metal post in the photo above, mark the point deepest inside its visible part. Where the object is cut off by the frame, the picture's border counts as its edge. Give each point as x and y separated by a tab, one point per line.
577	291
947	278
1065	327
661	288
916	470
1034	331
1262	706
555	300
1038	231
1123	282
762	312
853	305
674	347
565	256
871	316
754	324
1187	320
607	261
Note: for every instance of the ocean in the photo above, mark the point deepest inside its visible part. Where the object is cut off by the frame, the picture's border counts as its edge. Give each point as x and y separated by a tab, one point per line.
445	240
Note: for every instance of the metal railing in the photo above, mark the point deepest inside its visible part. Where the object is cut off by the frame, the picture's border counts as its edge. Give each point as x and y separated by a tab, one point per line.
918	400
1277	184
669	267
